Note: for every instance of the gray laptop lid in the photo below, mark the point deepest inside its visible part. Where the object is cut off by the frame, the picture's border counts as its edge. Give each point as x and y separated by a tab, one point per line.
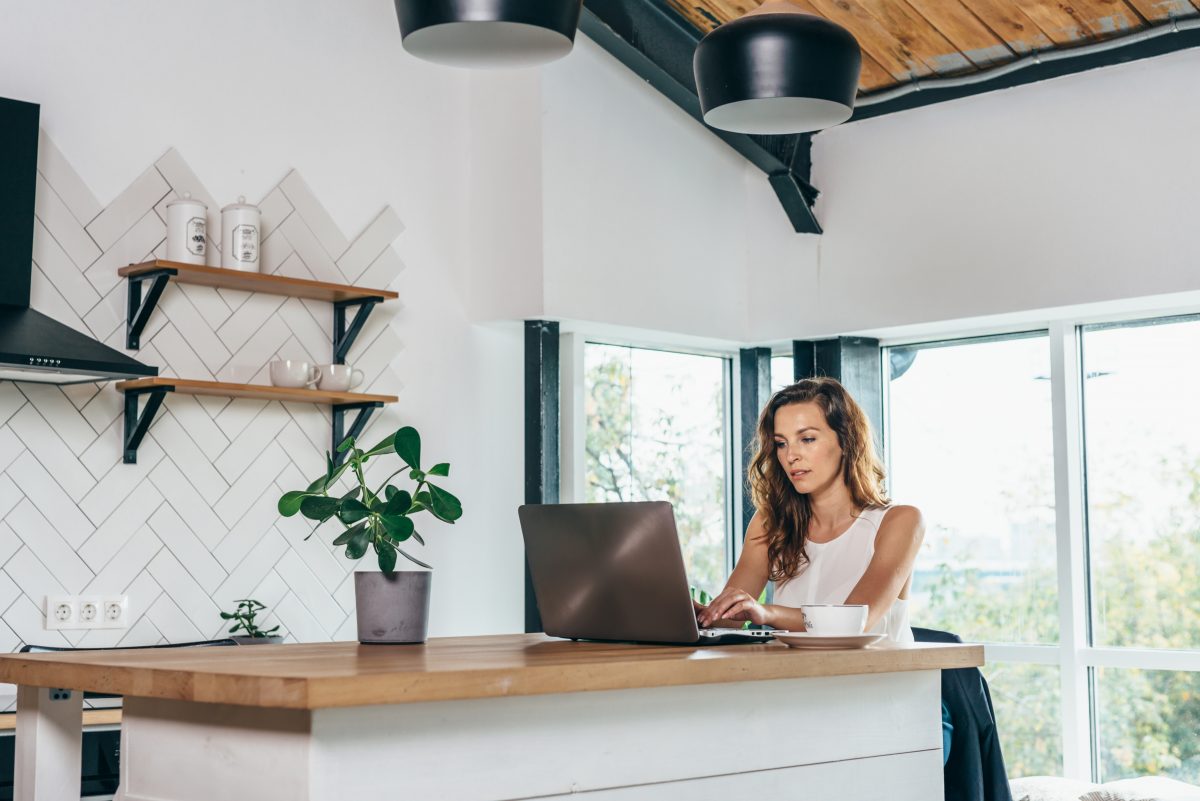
609	571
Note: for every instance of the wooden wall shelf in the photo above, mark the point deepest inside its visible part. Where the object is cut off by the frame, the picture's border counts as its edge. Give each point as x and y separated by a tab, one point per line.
256	282
156	389
187	386
159	272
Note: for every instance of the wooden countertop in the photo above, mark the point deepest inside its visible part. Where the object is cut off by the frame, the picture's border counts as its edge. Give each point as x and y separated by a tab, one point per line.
321	675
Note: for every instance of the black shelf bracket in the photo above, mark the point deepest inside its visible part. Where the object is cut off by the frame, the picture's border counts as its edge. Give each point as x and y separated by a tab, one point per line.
138	309
136	425
365	410
343	335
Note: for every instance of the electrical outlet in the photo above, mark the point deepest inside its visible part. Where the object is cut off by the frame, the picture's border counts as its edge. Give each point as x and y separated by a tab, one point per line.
87	612
61	612
114	612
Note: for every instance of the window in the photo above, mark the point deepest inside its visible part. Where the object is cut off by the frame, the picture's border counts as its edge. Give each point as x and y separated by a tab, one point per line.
1147	722
970	444
971	438
1142	434
782	372
657	428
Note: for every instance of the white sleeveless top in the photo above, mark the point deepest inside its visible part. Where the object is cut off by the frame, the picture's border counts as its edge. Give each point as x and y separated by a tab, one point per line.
835	567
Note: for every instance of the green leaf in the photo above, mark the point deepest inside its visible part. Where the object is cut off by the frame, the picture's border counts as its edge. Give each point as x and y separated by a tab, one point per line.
441	469
352	511
352	493
398	503
226	616
289	504
412	558
235	627
398	527
389	492
407	443
418	537
417	475
346	445
444	505
330	478
384	446
387	555
422	500
357	546
345	536
319	507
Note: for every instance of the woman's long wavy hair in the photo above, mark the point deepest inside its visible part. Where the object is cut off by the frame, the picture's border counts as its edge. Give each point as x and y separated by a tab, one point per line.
787	514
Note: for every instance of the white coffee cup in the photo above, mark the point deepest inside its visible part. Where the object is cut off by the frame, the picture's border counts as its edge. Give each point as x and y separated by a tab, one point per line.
294	374
834	620
339	377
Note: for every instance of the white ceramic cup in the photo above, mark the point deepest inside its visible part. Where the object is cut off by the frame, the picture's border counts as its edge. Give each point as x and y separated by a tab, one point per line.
339	377
834	620
294	374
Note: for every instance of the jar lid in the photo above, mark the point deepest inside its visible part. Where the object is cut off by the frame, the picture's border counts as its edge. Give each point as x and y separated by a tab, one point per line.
187	198
241	204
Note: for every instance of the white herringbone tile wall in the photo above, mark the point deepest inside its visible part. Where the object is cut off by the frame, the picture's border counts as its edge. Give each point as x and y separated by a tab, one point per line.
192	526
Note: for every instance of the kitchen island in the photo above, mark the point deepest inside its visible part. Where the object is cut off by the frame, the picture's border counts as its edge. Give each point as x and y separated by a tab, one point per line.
489	718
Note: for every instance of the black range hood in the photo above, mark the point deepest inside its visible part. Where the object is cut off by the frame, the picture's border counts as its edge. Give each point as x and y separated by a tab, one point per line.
33	347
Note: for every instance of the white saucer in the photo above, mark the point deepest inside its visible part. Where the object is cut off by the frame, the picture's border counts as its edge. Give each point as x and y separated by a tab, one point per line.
803	639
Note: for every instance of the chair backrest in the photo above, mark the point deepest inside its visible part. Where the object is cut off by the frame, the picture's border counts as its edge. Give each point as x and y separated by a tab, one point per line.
933	635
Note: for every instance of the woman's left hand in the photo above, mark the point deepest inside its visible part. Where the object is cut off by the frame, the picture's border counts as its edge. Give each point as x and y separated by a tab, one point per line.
737	605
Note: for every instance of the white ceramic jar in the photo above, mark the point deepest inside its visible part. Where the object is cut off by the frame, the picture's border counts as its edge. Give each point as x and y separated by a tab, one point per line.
239	236
187	230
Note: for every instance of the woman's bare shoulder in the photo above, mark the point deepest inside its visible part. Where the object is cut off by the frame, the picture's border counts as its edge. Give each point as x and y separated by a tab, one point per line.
903	520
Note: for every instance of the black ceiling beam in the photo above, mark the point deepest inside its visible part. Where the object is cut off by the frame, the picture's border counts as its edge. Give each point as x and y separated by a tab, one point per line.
657	44
930	92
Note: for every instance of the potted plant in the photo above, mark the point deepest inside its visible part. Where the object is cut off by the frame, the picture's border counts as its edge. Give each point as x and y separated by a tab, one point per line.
243	618
392	606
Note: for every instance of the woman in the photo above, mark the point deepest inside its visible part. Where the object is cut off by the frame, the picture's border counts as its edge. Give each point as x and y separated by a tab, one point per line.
825	532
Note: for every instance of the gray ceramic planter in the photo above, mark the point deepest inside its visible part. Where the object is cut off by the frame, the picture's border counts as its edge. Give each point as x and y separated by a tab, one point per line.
257	640
392	607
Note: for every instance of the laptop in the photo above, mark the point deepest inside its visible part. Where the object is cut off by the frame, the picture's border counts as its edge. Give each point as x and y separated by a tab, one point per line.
614	572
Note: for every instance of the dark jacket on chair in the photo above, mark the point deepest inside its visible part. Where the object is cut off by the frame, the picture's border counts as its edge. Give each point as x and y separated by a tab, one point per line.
975	770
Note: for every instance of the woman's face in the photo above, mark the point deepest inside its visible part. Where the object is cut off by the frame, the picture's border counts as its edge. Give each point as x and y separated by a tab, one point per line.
807	447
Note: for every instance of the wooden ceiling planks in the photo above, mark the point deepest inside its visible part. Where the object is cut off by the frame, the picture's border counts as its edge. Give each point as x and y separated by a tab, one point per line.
1080	21
903	40
1160	10
979	43
1020	33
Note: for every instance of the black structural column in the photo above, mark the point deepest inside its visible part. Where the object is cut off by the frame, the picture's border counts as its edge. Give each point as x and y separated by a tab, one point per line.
754	383
856	363
541	432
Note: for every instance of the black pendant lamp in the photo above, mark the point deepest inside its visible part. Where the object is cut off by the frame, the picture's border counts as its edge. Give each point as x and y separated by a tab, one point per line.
488	33
777	70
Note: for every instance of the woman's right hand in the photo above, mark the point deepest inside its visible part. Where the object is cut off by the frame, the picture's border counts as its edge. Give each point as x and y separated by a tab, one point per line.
733	607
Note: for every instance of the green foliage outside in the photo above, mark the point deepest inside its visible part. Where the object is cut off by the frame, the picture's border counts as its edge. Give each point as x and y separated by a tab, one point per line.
642	452
1146	593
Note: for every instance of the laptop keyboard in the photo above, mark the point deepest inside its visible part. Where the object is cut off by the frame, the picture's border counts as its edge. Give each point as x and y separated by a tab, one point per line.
718	632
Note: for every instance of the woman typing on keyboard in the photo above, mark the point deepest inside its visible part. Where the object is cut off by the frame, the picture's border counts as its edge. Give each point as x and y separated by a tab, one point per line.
824	531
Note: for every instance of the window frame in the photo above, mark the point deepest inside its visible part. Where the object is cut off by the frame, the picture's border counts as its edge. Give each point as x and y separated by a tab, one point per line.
1075	655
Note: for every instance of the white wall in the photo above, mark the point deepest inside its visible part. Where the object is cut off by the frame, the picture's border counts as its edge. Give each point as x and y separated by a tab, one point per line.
247	92
644	209
1071	191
